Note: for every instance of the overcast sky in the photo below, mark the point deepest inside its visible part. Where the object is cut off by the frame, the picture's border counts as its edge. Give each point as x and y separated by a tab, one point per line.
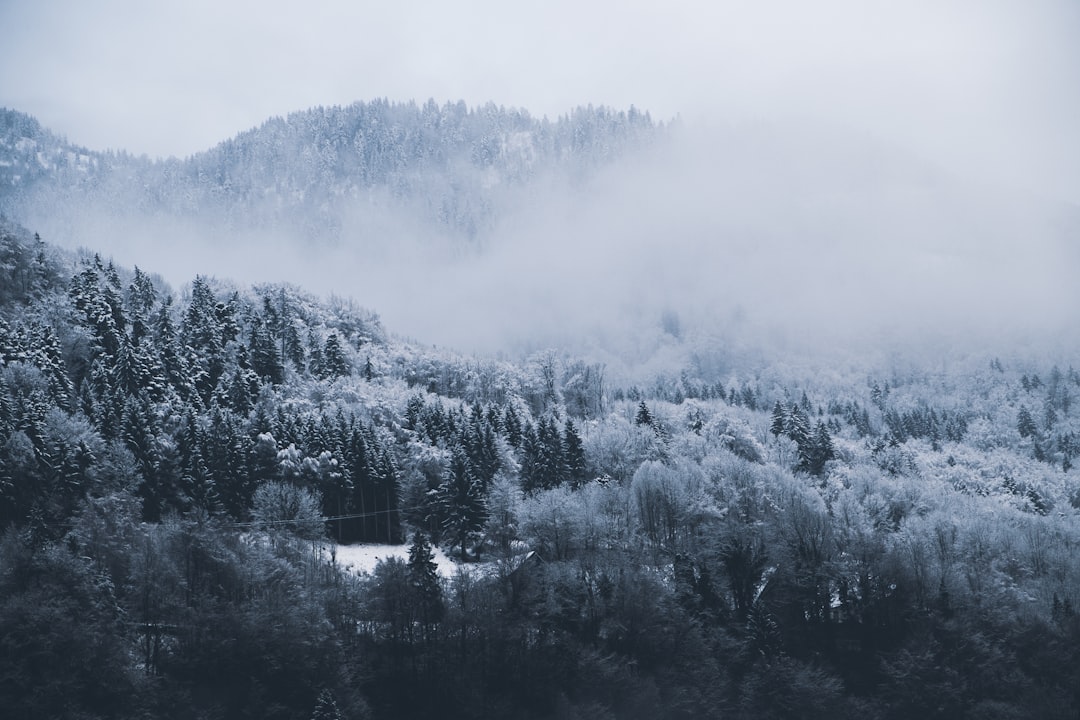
988	86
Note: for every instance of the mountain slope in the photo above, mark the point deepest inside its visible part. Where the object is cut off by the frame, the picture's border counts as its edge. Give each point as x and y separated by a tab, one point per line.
175	471
321	170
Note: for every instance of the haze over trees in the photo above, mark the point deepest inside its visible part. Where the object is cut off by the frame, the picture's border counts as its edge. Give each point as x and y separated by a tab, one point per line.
725	532
324	171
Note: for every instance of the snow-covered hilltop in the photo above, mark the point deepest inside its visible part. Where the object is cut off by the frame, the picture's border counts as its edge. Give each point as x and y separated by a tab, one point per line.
323	169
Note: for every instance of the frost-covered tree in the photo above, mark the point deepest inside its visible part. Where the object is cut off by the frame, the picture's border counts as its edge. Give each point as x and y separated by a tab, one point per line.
283	508
461	502
334	363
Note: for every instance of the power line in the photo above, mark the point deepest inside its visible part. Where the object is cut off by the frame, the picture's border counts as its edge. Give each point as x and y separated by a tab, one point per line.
259	523
352	516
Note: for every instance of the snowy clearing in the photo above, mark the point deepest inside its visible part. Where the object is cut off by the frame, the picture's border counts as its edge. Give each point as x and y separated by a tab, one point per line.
364	558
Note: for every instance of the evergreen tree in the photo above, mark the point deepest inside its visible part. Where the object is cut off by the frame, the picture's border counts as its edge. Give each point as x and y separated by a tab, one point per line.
643	417
1025	424
314	355
798	429
386	493
424	577
198	483
226	450
263	354
175	369
461	501
779	420
413	409
512	426
819	451
141	297
550	463
530	460
574	453
334	363
203	340
43	350
1049	415
326	707
480	443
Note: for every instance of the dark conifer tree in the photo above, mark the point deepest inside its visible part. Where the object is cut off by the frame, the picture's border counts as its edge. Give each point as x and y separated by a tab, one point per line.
334	363
326	707
461	502
529	456
385	496
779	420
798	429
176	371
314	355
265	360
226	450
512	426
550	466
643	417
575	454
413	409
819	451
198	484
203	340
424	578
480	443
1025	424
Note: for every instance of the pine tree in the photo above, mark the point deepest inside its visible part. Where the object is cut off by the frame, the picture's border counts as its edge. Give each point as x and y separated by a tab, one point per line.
334	363
315	355
480	444
575	454
43	350
386	491
175	369
226	452
1049	415
819	451
550	465
198	485
413	409
263	354
202	336
141	295
1025	424
461	501
326	707
424	578
779	420
798	429
643	417
530	460
512	426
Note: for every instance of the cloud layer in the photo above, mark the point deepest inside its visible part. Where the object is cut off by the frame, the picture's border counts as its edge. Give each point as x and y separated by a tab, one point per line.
988	87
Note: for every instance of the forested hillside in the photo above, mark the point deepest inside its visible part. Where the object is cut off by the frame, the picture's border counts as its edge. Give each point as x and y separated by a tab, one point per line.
322	172
178	465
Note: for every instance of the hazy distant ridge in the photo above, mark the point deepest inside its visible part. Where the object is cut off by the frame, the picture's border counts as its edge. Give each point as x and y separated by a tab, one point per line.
447	164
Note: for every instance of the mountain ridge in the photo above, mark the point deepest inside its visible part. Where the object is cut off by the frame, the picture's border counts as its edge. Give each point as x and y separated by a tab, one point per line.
445	164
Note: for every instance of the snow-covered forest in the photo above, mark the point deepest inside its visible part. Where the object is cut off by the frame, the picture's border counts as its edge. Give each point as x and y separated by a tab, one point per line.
729	531
451	166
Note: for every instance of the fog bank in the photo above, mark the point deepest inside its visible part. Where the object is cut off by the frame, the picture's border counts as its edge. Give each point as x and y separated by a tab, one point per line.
796	237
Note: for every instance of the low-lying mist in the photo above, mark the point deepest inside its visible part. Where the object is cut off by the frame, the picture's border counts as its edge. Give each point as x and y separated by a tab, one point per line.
788	238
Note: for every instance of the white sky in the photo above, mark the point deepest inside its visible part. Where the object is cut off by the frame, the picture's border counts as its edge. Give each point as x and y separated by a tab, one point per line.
990	87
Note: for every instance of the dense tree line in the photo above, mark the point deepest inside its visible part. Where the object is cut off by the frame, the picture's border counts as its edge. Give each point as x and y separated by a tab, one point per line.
179	470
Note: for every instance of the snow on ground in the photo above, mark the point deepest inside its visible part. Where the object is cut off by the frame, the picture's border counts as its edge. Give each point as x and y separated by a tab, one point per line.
363	558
